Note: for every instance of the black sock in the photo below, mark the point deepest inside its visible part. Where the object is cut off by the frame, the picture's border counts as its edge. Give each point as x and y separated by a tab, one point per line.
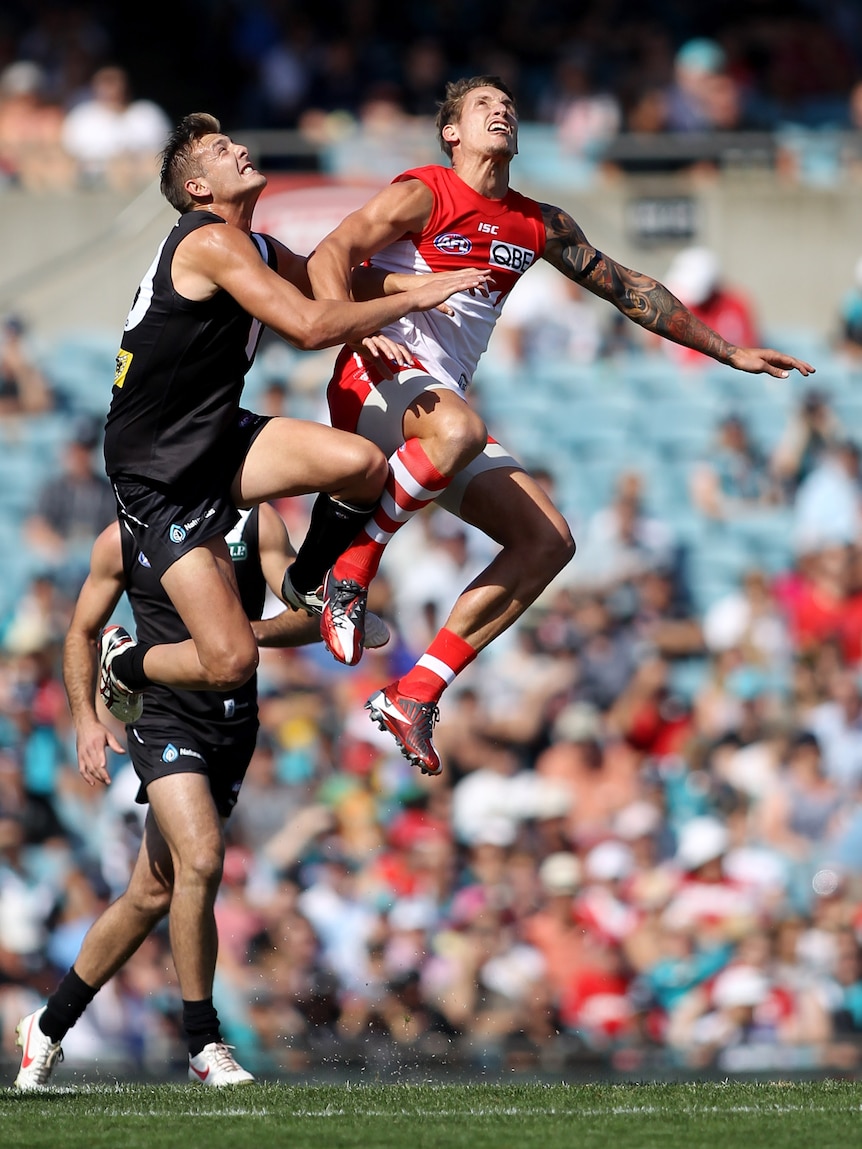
200	1022
65	1006
128	666
332	529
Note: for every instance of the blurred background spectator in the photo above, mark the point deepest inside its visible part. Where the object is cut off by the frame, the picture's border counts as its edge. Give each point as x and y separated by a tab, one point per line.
72	507
23	388
113	137
694	277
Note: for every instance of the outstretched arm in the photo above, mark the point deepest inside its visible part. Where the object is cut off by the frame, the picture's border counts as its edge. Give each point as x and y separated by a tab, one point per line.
649	303
213	258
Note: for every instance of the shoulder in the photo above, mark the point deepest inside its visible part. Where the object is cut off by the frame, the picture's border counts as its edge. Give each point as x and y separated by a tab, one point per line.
106	557
200	237
429	174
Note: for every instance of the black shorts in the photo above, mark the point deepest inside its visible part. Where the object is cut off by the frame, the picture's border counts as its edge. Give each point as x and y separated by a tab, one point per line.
157	751
168	521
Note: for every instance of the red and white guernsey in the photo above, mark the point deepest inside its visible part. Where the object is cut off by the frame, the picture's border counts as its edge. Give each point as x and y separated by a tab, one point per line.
465	230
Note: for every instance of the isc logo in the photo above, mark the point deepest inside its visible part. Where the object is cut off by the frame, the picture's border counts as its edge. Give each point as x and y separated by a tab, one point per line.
511	257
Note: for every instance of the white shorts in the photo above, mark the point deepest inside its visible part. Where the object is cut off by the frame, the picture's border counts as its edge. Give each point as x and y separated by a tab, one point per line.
375	410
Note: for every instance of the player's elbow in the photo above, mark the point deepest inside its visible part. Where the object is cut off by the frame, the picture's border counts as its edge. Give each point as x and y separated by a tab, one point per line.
231	669
307	334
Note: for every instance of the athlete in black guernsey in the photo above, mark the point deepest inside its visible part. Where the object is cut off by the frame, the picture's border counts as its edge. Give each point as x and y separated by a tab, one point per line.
181	453
190	750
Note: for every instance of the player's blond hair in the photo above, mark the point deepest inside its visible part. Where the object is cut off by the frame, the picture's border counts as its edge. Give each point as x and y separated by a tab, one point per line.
449	109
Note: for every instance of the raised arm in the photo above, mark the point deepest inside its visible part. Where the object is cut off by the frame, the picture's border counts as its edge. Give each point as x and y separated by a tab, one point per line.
399	209
649	303
224	257
98	598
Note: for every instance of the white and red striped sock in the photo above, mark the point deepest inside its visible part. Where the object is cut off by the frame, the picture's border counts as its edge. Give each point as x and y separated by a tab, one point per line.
441	663
413	483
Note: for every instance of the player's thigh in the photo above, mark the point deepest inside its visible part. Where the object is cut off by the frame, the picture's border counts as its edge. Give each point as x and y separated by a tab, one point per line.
185	812
512	508
295	457
410	405
202	586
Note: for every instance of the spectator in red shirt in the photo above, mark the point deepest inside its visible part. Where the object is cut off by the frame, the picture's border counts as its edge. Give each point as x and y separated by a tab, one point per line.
694	277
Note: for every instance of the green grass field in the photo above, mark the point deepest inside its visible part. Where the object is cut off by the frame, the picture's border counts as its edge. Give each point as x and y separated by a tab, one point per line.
822	1115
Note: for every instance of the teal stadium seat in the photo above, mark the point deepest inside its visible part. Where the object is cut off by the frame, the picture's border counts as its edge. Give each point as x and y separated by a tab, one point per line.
80	368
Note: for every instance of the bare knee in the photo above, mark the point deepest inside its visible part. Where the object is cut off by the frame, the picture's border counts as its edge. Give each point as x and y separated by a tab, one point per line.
199	867
149	900
548	550
459	435
365	472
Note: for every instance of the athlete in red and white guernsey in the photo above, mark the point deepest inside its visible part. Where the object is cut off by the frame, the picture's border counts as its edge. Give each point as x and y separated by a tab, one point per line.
438	447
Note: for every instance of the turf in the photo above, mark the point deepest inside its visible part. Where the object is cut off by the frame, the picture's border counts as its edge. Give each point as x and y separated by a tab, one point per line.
818	1115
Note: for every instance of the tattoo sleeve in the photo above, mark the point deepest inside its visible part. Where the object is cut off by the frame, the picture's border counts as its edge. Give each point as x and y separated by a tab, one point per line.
639	297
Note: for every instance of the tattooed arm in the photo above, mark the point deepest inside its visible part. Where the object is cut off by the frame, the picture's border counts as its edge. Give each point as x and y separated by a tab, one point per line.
647	302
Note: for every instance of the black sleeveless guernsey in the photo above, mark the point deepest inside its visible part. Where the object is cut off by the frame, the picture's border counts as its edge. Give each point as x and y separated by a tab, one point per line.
180	372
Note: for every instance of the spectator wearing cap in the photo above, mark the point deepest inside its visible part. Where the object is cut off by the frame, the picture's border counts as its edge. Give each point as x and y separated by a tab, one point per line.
31	125
600	775
707	900
704	96
694	276
602	906
748	620
552	929
743	1020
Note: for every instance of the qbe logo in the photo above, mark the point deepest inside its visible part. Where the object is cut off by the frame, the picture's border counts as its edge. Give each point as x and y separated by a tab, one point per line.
510	256
453	243
177	533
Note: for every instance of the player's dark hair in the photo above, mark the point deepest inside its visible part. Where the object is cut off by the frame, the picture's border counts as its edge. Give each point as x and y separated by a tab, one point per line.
178	158
449	109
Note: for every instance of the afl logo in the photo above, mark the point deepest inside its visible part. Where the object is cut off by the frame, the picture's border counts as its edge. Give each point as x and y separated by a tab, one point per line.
177	533
453	243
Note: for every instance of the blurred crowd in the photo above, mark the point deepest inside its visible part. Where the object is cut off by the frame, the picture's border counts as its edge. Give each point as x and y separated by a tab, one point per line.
87	90
645	850
615	870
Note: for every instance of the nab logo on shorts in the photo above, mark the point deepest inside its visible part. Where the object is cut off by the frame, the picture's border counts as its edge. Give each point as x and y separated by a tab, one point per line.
452	242
177	533
510	256
170	753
